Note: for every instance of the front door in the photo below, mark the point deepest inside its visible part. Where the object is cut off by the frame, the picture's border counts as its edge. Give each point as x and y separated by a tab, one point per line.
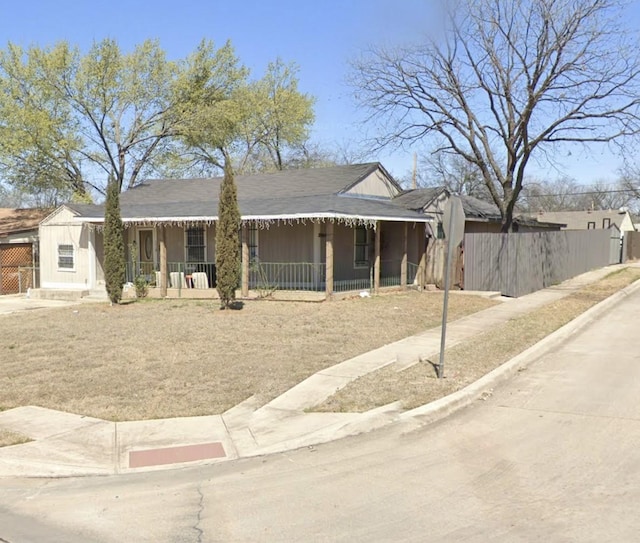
145	246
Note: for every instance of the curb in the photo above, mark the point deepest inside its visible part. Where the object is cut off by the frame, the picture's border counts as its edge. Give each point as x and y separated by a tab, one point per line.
448	405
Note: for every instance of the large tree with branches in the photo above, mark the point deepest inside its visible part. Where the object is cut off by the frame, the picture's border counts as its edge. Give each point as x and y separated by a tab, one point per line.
506	82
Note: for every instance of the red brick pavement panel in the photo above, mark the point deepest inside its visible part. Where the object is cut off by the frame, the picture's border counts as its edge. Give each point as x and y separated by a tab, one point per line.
175	455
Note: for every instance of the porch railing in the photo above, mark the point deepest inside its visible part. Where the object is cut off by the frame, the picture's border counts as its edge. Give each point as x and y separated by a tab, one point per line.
287	276
303	276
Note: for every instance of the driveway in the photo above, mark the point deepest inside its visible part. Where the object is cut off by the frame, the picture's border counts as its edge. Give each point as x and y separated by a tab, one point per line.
12	303
551	456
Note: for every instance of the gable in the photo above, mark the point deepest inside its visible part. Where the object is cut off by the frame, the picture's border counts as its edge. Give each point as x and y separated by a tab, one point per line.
376	184
62	215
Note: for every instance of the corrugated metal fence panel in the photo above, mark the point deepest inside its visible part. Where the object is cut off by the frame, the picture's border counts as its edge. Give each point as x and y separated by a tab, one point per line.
519	263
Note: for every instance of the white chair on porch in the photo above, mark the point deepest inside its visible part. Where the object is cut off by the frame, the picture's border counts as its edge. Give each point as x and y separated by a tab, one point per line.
200	280
177	280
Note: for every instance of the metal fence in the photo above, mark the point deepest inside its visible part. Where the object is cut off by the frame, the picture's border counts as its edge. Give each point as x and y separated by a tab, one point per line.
519	263
28	277
304	276
271	276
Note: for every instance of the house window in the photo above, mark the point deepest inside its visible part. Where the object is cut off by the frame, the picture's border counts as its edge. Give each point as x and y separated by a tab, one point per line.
606	223
361	247
252	242
65	257
591	225
195	246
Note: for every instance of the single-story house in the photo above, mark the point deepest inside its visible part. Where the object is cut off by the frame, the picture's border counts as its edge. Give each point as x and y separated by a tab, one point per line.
326	229
591	220
480	216
19	248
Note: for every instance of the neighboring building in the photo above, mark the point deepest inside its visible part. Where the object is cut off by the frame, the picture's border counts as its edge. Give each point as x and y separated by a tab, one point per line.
19	248
326	229
480	216
591	220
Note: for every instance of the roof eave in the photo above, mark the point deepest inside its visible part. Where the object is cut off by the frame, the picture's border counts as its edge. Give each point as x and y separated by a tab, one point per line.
279	217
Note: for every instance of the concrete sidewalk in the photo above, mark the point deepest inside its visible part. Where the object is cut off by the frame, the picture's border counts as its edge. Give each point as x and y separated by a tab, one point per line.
65	444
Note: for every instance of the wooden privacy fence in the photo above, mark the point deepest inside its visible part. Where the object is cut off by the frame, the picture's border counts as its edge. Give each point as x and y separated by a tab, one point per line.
520	263
436	257
632	243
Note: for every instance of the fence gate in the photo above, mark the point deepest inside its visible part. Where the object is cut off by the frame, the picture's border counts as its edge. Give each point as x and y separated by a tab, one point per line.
615	245
12	257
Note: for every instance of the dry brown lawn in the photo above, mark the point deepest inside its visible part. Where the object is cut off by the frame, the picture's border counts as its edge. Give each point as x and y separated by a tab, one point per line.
472	359
11	438
166	358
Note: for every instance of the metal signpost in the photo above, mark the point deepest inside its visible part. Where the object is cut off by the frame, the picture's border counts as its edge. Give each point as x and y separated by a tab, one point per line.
453	226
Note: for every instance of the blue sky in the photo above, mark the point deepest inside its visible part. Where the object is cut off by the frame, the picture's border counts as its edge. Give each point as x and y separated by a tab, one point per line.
319	36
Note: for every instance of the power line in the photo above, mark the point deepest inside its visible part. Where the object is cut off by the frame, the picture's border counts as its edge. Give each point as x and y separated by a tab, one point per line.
544	195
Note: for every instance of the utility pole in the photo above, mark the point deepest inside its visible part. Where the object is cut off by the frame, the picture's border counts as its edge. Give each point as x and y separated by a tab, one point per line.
414	183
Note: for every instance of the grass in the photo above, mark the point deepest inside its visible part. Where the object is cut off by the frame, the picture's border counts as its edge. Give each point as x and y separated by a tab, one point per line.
11	438
167	358
472	359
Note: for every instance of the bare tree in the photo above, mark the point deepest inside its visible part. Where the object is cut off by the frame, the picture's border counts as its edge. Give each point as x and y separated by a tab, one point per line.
454	172
630	182
506	82
565	194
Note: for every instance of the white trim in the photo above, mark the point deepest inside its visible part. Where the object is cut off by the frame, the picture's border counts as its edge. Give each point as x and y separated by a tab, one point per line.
73	258
282	217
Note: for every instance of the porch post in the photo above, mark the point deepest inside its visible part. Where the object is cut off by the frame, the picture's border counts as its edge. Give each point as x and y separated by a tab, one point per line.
403	263
376	262
422	268
245	262
92	257
163	262
329	263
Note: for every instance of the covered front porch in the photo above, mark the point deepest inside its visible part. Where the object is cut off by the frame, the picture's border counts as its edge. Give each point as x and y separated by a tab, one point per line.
320	258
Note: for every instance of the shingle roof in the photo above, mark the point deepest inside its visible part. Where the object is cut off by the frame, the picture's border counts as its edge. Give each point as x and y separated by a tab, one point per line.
291	193
418	199
473	207
13	221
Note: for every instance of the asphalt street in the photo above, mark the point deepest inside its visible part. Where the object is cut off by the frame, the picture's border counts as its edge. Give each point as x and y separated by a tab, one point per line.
551	455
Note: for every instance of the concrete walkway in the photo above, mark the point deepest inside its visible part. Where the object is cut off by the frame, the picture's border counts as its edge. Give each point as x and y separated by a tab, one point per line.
66	444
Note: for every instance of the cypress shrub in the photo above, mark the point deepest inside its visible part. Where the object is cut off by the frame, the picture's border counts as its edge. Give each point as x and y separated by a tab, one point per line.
114	261
227	240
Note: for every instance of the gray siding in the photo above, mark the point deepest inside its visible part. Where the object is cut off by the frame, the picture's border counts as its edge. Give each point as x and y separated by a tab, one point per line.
286	243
